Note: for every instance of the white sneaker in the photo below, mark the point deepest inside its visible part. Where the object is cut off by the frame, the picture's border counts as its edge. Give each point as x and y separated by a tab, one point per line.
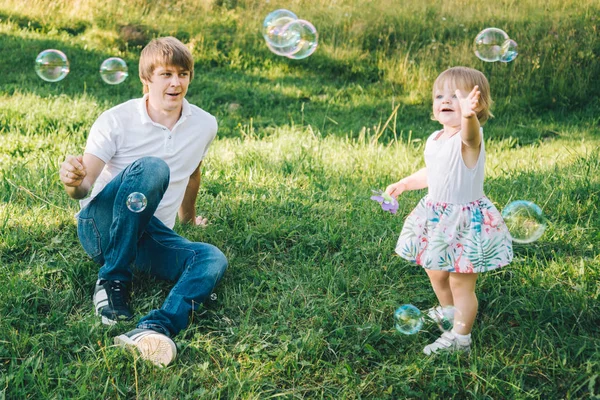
447	343
152	346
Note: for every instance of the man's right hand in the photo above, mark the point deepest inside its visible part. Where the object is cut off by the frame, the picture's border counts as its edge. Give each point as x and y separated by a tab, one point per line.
72	171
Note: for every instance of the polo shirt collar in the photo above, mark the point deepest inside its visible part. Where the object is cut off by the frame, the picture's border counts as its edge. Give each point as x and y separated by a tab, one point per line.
186	110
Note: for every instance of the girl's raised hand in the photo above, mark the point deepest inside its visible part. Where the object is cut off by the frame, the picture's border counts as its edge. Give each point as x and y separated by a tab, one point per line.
469	104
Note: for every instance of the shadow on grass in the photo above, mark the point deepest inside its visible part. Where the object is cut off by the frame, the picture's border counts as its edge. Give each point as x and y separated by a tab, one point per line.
84	76
239	99
73	27
331	96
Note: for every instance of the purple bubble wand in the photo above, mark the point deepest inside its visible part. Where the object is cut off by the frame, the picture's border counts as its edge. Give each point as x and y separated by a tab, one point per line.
388	203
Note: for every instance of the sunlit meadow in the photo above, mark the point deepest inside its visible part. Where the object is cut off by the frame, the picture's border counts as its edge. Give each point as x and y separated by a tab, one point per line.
305	309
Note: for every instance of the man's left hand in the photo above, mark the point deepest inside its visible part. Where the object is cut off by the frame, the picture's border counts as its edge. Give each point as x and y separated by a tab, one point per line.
201	221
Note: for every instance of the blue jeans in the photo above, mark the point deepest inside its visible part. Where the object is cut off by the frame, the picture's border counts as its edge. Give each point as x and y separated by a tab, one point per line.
119	240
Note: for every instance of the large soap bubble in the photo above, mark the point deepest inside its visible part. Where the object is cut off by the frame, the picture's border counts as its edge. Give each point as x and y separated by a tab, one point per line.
52	65
408	319
489	44
113	70
524	220
308	38
273	28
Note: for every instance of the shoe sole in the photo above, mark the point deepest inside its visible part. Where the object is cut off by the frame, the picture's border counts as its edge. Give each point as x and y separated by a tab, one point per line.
448	351
107	321
151	347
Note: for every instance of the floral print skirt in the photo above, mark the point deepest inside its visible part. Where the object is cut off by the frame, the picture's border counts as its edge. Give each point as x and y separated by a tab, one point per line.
464	238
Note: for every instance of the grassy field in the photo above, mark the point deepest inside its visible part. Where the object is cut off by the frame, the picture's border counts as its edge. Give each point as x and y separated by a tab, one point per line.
305	308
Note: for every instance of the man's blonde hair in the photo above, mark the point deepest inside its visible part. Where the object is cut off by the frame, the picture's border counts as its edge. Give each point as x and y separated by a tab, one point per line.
465	79
165	51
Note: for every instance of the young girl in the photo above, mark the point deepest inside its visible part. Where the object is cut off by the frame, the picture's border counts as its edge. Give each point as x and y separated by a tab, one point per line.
455	232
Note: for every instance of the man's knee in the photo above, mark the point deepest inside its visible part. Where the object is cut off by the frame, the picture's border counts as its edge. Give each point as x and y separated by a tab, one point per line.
221	260
155	167
216	261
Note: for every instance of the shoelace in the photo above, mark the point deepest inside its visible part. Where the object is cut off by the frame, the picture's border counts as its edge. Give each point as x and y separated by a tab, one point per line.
118	294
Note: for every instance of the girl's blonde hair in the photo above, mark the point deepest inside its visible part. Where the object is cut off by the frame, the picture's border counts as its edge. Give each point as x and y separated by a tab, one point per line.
165	51
465	79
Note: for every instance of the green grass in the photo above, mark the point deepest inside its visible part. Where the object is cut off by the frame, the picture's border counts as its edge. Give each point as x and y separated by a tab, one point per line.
305	308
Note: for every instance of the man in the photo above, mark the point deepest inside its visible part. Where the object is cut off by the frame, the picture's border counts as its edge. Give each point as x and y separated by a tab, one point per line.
154	147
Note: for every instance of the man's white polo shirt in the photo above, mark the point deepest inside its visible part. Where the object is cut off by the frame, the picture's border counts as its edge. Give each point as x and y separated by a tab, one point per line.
125	133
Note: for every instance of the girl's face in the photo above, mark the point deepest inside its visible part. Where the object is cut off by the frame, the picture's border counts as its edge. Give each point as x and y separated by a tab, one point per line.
446	107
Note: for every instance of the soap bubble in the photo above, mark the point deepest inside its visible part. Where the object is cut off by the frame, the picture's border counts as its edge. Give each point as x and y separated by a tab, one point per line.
444	317
509	48
282	50
524	220
113	71
308	39
488	44
136	202
273	31
52	65
408	319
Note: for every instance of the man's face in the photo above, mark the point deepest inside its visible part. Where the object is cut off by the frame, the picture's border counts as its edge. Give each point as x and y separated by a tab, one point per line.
167	88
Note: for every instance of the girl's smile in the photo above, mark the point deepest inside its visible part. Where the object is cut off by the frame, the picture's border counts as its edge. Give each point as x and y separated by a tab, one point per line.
446	108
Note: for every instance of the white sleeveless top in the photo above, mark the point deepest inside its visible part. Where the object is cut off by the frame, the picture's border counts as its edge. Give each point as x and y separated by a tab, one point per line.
455	227
448	178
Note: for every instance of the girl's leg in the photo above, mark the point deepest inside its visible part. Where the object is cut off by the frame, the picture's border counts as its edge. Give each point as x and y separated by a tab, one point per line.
441	286
465	301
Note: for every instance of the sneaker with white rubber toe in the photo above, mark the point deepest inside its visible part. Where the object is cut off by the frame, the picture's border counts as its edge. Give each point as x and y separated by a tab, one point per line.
151	345
111	300
447	343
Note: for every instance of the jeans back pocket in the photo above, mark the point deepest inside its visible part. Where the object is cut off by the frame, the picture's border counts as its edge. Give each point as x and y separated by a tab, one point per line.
89	236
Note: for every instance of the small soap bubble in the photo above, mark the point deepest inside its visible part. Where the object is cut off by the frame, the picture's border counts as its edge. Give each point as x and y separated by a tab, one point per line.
524	220
488	44
136	202
408	319
113	70
510	51
308	39
444	317
52	65
273	31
